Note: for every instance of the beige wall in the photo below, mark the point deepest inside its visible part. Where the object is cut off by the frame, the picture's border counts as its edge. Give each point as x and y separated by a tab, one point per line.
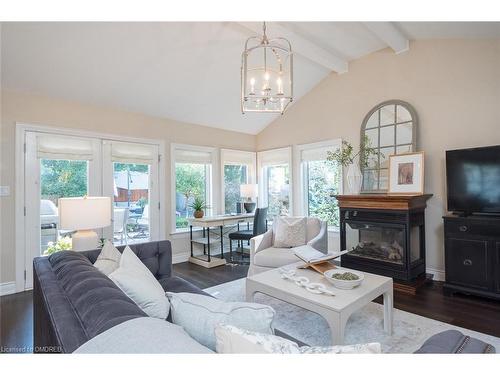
454	86
18	107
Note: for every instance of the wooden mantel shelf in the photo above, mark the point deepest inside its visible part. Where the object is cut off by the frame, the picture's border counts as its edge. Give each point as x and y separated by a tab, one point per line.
384	201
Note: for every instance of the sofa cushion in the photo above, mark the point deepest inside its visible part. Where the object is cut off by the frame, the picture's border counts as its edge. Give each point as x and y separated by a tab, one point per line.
108	259
178	285
137	282
233	340
143	336
275	257
199	315
95	299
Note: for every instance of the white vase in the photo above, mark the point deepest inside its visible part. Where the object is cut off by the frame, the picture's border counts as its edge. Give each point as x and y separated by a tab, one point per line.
354	179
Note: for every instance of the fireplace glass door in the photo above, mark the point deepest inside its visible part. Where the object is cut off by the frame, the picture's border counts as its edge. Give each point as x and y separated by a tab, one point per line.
376	241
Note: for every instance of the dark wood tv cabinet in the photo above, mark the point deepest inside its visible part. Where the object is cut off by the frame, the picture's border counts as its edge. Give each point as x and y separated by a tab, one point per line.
472	255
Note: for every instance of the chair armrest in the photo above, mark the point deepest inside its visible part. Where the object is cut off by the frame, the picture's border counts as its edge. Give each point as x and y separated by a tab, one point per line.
320	242
260	242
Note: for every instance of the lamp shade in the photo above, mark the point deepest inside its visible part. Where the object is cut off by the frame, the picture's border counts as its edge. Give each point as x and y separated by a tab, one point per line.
84	213
248	190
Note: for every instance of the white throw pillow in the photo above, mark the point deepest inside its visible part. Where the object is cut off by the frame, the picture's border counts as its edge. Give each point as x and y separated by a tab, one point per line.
233	340
108	259
199	315
139	284
290	231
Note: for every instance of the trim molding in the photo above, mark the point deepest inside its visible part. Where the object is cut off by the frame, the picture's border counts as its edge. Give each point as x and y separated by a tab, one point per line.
439	275
7	288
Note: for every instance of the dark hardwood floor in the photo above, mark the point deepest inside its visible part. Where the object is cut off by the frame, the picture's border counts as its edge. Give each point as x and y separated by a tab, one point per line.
478	314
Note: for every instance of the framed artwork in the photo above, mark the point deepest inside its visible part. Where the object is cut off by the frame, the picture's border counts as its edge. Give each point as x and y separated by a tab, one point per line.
406	173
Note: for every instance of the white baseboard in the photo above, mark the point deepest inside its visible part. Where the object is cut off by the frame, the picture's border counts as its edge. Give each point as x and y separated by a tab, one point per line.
180	258
439	275
7	288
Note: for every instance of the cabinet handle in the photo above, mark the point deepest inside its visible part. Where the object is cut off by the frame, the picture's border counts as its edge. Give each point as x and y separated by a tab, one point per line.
467	262
463	228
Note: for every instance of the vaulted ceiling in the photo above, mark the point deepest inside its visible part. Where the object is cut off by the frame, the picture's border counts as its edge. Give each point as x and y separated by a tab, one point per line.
190	71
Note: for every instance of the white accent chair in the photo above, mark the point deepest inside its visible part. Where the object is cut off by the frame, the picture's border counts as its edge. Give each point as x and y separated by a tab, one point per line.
264	257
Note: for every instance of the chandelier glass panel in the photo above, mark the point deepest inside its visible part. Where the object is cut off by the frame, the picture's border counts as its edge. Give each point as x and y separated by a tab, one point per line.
266	74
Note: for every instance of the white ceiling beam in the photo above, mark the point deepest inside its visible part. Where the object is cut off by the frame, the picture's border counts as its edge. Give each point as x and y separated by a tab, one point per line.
390	35
301	46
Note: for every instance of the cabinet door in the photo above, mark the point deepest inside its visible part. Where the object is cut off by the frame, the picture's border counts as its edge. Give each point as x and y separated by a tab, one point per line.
467	263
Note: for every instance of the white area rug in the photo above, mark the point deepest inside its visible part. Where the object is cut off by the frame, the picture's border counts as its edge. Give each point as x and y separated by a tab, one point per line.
409	333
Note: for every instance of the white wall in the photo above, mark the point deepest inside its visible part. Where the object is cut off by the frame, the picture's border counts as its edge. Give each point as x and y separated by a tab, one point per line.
454	86
42	110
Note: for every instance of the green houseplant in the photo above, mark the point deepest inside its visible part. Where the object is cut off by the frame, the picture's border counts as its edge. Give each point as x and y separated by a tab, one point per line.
354	161
198	205
63	243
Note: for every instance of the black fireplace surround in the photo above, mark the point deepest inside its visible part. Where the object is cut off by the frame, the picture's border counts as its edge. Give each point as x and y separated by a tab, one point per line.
385	242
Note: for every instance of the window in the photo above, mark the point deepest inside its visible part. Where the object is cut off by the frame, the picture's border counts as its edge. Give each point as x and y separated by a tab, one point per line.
321	180
275	181
234	176
193	179
238	167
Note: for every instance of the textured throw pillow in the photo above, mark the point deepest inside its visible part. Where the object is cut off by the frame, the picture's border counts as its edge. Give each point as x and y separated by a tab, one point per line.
139	284
232	340
199	315
108	259
290	231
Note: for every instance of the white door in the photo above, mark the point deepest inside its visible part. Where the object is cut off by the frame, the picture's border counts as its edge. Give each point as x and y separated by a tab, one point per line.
130	178
55	167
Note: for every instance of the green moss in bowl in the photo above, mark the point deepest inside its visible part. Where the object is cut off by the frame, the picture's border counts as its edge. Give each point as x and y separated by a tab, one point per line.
345	276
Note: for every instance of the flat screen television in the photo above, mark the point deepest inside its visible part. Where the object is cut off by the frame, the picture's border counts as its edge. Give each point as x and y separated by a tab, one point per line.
473	180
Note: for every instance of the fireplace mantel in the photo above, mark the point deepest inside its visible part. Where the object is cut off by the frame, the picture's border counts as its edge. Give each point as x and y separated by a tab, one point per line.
383	201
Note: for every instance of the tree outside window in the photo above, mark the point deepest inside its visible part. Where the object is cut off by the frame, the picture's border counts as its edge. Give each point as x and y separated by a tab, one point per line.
190	183
278	188
234	176
63	179
323	181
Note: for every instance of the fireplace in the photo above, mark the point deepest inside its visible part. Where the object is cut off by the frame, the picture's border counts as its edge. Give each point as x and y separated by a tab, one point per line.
387	238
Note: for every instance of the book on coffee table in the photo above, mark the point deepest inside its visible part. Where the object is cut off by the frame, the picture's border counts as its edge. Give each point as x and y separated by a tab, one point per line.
317	260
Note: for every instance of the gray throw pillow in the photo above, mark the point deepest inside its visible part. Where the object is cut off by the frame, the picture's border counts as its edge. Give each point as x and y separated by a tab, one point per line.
199	315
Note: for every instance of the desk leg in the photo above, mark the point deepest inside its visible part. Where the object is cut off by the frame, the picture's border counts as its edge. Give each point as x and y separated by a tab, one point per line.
221	242
388	310
191	238
208	244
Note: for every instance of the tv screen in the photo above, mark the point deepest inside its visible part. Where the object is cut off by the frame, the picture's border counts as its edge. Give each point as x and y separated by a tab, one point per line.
473	180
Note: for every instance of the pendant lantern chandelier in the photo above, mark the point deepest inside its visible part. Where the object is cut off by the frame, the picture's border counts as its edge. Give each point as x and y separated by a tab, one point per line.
266	74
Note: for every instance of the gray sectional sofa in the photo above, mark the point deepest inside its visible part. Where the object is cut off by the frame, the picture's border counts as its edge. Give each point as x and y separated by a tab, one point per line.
74	302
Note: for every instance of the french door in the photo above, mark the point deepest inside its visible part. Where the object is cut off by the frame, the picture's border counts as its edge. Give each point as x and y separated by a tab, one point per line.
60	166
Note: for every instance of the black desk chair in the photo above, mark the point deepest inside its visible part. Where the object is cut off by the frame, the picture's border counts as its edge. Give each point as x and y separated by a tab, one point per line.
259	227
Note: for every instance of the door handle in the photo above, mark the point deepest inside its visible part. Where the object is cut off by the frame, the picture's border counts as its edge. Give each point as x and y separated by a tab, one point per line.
463	228
467	262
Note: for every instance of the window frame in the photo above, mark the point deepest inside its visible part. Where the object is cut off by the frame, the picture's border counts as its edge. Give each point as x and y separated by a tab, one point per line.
212	170
269	158
236	157
303	183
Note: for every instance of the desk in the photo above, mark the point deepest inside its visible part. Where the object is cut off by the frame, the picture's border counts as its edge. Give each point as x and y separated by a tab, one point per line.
206	223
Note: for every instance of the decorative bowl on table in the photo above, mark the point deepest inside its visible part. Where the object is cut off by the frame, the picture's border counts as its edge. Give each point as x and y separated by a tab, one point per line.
344	279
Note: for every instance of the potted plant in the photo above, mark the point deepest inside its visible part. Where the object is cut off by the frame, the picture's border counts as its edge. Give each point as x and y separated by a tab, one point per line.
346	157
198	205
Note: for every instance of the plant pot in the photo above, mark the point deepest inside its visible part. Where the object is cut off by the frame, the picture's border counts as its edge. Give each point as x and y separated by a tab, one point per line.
354	179
199	214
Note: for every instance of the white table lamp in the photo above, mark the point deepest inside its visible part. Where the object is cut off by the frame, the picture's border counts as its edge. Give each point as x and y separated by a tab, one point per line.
84	214
249	191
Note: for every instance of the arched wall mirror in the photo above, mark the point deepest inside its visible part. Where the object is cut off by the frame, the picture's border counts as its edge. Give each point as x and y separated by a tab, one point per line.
391	128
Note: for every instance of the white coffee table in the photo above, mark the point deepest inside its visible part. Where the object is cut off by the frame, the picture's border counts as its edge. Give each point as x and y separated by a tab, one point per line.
337	309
